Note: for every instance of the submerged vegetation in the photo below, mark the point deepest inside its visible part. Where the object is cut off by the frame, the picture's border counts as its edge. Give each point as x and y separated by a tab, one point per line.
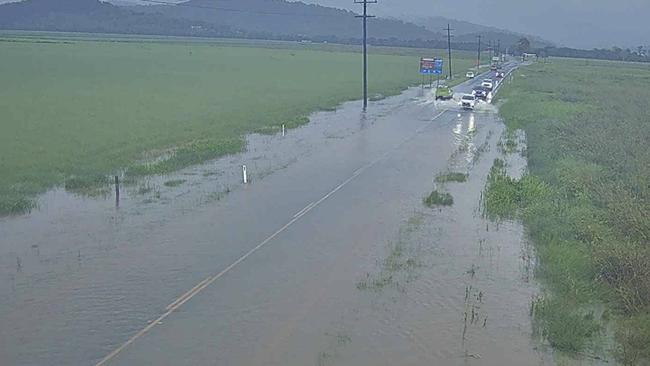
437	198
585	200
83	109
174	182
452	177
399	266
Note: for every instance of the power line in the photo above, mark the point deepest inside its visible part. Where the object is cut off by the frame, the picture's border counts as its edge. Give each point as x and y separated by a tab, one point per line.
365	17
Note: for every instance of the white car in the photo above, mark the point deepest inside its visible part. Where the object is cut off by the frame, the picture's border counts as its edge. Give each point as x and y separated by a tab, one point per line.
470	75
468	101
488	83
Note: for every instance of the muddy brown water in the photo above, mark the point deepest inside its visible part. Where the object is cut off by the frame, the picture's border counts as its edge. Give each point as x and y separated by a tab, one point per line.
79	277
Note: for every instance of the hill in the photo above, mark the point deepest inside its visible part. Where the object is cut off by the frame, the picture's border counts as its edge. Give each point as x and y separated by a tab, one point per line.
95	16
272	19
466	31
262	19
282	18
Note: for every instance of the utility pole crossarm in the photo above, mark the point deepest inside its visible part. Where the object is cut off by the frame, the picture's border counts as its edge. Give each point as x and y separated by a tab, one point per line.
365	17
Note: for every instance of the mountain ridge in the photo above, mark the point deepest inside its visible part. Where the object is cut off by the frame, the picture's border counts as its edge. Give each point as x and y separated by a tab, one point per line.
261	19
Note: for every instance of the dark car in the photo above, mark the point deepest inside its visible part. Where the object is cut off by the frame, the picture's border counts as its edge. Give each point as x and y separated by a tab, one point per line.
480	92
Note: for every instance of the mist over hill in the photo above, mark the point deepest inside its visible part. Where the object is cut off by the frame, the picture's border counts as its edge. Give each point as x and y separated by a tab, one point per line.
98	17
275	20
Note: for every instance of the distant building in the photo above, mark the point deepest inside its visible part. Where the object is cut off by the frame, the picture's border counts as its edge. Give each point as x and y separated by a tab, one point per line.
527	56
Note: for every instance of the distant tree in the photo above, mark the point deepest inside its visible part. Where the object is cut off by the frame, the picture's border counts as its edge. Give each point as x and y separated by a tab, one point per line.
523	45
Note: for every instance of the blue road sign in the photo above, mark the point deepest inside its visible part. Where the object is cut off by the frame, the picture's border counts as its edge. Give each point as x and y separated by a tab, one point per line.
430	66
437	69
427	65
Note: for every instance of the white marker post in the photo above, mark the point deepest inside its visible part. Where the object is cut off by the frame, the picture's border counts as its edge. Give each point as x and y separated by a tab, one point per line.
282	130
244	174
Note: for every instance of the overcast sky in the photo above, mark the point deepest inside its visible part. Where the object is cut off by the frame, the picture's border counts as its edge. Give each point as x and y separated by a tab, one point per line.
576	23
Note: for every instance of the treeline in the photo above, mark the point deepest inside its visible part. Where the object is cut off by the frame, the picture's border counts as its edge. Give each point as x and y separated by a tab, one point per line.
613	54
319	24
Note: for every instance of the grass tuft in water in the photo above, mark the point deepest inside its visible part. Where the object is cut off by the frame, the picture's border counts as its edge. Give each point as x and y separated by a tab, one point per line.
452	177
13	204
194	153
93	185
438	199
174	182
565	328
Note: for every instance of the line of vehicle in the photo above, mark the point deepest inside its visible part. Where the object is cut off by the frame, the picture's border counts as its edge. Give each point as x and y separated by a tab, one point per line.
211	279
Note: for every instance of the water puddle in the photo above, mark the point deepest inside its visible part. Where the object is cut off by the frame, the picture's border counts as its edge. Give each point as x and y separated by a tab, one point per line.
452	288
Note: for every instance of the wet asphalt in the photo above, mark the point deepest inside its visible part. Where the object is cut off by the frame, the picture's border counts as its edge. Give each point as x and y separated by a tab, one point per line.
219	273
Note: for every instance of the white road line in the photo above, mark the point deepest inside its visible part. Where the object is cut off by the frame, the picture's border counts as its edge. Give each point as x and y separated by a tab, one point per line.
299	213
208	281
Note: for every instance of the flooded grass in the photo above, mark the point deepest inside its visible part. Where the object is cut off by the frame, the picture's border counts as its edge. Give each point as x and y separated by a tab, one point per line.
89	185
398	267
396	262
87	125
585	200
437	198
144	189
174	182
15	204
452	177
565	328
193	153
508	146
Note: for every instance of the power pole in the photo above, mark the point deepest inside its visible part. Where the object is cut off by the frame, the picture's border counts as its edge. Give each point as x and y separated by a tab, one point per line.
478	61
490	48
499	48
365	17
449	48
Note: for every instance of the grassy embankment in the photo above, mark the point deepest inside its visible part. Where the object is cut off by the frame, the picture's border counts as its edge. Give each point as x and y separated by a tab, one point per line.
73	111
585	201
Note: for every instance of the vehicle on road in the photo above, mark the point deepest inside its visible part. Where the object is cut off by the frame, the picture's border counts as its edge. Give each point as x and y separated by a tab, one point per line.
468	101
480	93
493	67
444	92
470	75
500	73
488	83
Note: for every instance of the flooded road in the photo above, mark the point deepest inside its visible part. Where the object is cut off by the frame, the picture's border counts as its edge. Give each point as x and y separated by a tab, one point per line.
328	257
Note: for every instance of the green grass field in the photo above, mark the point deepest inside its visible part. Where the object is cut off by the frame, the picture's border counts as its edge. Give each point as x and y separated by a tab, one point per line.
586	200
74	110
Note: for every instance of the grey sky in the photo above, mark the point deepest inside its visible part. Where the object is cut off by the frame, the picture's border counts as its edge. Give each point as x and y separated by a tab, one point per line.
576	23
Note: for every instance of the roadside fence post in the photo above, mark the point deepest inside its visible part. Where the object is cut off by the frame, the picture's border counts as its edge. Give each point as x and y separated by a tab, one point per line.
117	191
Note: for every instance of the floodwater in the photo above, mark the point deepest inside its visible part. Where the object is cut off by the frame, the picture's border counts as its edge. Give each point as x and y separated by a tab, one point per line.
327	257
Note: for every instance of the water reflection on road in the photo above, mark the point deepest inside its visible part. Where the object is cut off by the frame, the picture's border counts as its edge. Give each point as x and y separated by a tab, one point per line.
79	277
